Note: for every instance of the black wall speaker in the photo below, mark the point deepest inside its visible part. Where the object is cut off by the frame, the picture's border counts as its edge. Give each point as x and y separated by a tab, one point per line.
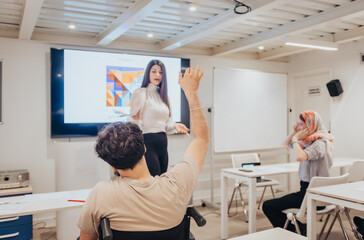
334	87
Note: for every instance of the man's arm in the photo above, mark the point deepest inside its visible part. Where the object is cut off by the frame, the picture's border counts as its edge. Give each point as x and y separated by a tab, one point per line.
198	147
88	236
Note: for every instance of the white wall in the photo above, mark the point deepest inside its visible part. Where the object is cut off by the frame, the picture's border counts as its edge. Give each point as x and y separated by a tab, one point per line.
347	113
24	134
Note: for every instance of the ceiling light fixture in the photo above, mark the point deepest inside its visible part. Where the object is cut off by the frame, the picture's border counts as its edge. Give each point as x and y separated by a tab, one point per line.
191	6
71	26
261	47
301	42
150	35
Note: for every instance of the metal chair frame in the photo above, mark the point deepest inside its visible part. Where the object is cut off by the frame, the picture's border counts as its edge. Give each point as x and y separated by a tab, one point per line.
251	158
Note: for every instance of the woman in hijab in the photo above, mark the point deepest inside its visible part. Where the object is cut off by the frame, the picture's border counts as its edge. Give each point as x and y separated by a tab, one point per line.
313	147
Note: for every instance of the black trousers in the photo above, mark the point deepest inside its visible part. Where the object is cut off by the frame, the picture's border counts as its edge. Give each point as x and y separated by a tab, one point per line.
273	208
156	154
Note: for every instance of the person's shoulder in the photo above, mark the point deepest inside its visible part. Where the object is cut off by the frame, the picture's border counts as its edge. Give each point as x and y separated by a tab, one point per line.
139	94
103	186
319	141
139	91
188	163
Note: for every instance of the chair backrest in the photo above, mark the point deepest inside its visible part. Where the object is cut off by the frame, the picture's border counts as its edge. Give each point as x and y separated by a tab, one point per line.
180	232
320	182
356	172
241	158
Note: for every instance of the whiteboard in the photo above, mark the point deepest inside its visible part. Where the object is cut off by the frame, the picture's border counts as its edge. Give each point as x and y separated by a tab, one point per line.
249	110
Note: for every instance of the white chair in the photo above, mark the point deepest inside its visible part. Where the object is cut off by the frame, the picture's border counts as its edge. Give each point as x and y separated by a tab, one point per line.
300	214
249	158
355	174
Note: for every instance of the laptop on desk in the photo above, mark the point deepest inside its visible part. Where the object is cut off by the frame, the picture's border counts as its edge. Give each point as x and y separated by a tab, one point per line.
251	166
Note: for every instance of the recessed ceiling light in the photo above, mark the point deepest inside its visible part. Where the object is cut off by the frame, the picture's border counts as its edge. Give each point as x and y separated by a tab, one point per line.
71	26
150	35
192	8
261	47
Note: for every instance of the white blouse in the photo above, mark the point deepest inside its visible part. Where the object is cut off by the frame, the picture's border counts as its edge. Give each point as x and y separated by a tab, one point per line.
154	112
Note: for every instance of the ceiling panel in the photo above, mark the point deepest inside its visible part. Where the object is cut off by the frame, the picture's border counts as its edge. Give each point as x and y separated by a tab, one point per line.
212	26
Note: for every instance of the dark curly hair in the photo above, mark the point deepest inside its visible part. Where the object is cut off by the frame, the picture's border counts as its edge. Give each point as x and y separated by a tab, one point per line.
121	145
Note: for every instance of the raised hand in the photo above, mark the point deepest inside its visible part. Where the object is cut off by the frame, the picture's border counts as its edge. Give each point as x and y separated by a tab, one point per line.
190	82
296	127
301	134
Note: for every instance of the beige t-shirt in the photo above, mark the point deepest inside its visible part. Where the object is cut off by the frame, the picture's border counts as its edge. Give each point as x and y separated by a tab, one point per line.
131	205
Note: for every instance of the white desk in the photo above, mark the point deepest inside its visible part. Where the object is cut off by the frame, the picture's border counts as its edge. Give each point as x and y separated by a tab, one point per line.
43	202
271	234
250	178
349	195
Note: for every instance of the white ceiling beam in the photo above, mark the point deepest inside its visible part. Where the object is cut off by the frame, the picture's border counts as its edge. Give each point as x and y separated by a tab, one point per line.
350	35
127	20
281	52
29	18
297	27
342	37
221	21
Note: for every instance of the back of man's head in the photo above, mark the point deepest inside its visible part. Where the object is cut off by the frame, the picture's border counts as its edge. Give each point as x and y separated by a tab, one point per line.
121	145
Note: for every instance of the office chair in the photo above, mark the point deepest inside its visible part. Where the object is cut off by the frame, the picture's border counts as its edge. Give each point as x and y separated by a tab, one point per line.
293	215
238	161
180	232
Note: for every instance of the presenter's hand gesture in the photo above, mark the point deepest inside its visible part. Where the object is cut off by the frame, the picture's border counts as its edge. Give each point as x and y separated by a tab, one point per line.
190	81
137	115
181	128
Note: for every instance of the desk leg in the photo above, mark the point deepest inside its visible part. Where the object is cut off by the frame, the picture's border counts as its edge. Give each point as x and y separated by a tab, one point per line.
224	206
252	204
311	217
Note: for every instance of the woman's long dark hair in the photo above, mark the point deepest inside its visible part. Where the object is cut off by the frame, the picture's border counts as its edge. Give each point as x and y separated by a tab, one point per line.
162	87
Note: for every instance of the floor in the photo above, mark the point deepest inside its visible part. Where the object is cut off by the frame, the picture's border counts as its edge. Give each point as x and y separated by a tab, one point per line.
238	226
211	231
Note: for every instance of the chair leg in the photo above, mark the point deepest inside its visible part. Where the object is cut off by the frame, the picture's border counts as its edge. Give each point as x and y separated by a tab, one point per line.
324	226
342	227
356	234
232	198
261	198
332	223
286	224
271	188
243	204
296	225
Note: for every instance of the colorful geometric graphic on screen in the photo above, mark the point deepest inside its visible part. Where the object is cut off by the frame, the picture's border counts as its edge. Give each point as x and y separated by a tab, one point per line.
121	82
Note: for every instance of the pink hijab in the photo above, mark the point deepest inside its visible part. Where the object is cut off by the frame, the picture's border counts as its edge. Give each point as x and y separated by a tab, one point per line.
316	130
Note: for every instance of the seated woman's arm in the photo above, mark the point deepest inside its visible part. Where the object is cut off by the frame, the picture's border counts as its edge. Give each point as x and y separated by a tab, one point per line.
300	154
289	138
